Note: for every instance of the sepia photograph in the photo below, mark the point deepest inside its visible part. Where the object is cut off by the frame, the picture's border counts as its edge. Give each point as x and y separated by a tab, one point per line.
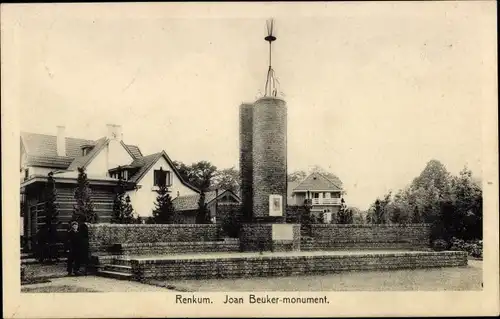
250	155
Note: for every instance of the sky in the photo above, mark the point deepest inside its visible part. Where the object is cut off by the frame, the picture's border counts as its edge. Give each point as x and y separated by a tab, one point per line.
374	90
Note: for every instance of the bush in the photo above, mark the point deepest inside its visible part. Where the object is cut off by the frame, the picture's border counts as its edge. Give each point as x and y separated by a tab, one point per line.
230	225
439	245
473	248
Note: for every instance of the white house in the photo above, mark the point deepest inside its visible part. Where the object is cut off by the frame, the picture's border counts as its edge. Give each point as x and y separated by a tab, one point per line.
104	160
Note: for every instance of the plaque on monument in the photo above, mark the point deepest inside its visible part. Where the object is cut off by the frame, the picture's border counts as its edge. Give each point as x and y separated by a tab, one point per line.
275	205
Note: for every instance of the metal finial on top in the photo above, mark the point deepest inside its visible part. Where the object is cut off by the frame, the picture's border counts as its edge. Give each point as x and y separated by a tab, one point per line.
271	81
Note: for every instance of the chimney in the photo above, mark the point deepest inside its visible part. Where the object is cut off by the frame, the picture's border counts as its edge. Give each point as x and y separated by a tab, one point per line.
115	132
61	141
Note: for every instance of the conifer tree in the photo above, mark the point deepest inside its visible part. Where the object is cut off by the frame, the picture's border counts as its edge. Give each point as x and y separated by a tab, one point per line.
48	233
416	218
344	215
118	202
203	215
83	211
164	211
128	211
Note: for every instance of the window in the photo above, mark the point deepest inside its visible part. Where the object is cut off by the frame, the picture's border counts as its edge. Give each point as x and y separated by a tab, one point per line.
316	195
161	176
26	174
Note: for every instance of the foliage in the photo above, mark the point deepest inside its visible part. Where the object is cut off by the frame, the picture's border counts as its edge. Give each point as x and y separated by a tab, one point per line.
452	204
128	211
474	247
307	219
416	217
344	215
164	212
231	223
439	245
83	211
358	217
297	176
198	174
119	202
47	235
203	214
227	179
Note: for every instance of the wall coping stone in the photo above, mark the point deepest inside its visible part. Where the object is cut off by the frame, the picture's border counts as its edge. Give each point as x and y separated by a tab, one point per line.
368	225
300	257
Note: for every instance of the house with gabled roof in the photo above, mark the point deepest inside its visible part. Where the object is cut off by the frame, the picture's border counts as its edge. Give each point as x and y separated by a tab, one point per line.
321	193
104	160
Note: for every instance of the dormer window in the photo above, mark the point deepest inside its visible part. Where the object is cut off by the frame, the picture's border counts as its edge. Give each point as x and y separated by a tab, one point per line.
120	172
86	149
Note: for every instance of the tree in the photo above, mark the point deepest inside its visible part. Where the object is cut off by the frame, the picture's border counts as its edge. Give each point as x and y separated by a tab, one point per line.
128	211
467	199
358	217
47	237
416	218
203	214
119	202
227	179
306	220
377	212
199	174
297	176
83	211
435	174
344	215
164	212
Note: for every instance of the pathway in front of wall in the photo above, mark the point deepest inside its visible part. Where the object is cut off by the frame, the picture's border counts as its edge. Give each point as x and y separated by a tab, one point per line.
427	279
91	283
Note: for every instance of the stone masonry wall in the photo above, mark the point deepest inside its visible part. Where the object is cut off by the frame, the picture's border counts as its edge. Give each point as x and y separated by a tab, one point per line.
103	236
353	236
269	153
176	247
246	165
289	265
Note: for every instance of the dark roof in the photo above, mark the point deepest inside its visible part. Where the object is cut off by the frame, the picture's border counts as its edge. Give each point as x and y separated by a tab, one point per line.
145	163
41	150
317	181
136	152
83	161
50	161
190	202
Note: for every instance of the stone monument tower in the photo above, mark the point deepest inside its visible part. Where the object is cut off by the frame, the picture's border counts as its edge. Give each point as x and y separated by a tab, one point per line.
263	169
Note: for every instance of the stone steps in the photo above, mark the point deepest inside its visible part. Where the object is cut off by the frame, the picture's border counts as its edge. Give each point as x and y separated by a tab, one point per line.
115	274
118	268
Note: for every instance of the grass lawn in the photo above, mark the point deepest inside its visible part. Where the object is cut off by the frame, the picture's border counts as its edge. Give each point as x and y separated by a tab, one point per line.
430	279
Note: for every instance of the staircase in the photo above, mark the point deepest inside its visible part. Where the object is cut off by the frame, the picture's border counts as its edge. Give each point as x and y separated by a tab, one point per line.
118	269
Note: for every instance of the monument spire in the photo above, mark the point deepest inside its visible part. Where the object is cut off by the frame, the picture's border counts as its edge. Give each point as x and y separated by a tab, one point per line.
271	88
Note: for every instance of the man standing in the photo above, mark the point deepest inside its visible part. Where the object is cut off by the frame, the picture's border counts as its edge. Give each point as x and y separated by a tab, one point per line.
75	248
84	252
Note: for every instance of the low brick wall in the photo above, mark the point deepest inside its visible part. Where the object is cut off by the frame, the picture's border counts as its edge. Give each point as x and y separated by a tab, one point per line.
103	236
289	265
333	236
176	247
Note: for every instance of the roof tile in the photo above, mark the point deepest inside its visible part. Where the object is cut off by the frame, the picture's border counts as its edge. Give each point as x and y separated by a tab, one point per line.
317	181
